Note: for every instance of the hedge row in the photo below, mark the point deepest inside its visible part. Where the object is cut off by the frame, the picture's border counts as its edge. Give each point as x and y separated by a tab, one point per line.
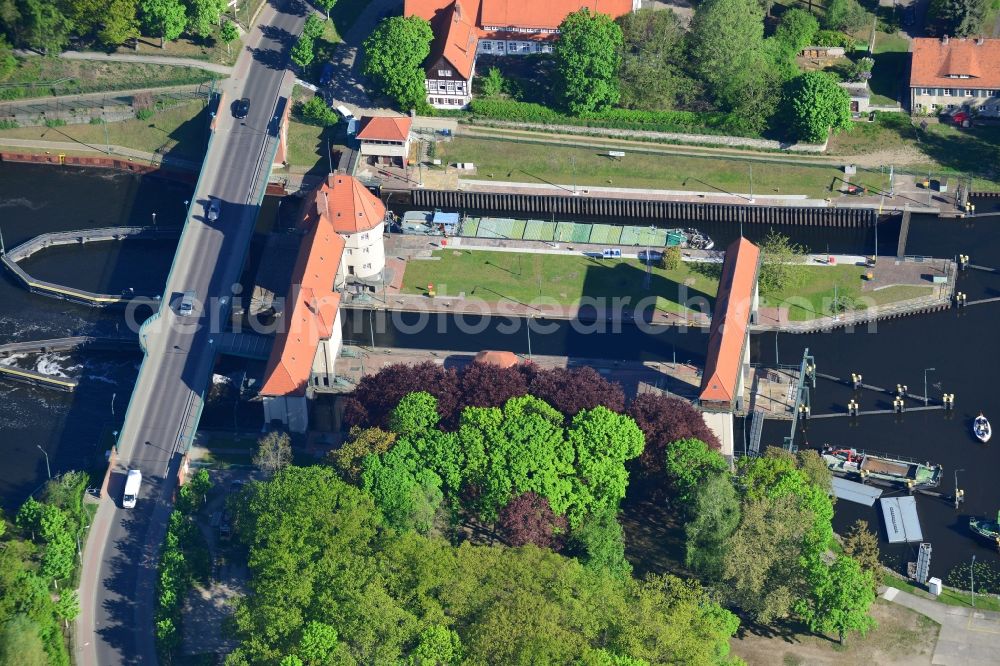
686	122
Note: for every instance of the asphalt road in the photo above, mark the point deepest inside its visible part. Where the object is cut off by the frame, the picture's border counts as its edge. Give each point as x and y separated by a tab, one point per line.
117	590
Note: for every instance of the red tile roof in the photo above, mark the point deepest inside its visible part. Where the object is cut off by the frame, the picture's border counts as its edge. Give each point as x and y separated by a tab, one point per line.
311	306
504	359
546	14
933	61
382	128
723	361
455	37
351	207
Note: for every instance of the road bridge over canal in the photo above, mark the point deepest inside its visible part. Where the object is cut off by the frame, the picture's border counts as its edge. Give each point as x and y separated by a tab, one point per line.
117	589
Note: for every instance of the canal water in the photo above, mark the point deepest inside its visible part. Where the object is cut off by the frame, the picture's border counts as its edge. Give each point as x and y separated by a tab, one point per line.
958	344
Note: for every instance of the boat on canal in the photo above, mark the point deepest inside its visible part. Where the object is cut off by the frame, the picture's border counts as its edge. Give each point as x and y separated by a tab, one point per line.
981	428
987	529
882	468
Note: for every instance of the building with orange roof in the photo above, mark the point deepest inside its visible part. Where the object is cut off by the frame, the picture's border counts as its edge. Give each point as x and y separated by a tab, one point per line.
464	29
342	222
728	355
950	73
385	140
503	359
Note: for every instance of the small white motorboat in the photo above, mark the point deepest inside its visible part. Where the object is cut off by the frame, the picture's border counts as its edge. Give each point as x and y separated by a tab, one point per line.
981	428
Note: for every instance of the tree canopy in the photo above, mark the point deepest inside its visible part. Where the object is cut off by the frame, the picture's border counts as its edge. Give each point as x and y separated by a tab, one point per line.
587	57
394	53
330	582
816	106
652	55
665	420
959	18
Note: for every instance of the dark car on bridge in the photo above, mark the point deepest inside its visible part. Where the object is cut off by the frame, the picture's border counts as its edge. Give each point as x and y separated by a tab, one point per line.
241	108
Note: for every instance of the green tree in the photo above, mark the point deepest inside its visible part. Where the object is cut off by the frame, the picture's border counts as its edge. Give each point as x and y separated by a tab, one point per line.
812	465
313	27
761	568
315	111
737	77
317	644
519	448
415	414
120	23
602	441
817	105
43	26
407	493
303	52
229	33
204	15
394	54
671	259
652	56
192	494
861	544
493	83
438	646
361	443
845	15
326	6
781	264
959	18
163	18
689	464
20	643
715	515
587	57
8	63
67	607
797	29
599	543
840	599
274	452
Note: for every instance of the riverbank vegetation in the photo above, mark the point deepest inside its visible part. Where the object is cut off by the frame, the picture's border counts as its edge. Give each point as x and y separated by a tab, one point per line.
38	573
180	131
34	76
464	500
183	28
184	558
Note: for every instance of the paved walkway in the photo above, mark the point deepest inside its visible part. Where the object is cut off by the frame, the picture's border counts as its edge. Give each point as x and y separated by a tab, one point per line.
968	636
147	59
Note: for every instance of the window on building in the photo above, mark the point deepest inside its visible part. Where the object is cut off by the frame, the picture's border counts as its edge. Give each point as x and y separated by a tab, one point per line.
947	92
367	249
444	72
511	47
923	91
487	46
968	92
500	46
991	93
348	251
525	47
367	266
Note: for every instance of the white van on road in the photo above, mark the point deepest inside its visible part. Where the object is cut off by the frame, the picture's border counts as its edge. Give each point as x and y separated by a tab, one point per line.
132	483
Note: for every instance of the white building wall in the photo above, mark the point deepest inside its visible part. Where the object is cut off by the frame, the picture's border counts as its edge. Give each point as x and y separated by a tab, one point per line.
364	253
292	411
385	149
721	423
932	100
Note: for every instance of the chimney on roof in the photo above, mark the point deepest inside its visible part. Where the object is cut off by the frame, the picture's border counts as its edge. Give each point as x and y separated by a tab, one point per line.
326	204
944	39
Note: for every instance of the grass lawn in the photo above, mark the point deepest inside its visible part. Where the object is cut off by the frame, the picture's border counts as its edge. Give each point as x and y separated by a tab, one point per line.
56	76
564	279
566	165
180	130
890	63
902	636
307	143
948	596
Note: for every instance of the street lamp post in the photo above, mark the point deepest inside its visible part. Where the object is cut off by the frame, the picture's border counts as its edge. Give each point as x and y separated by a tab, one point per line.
47	468
528	327
113	396
926	370
972	580
957	495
